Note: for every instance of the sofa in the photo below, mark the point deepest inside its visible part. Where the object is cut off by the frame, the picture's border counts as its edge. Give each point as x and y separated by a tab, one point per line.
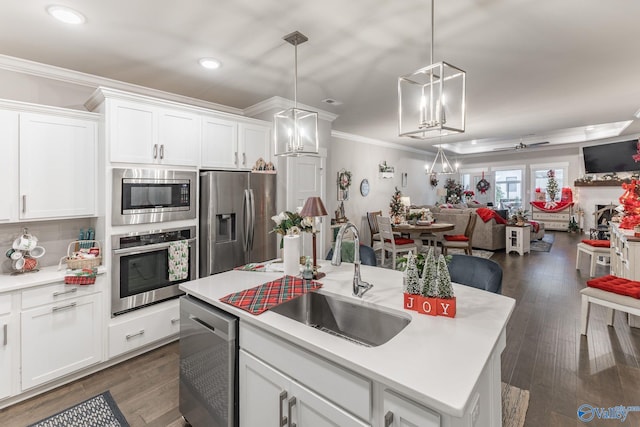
486	235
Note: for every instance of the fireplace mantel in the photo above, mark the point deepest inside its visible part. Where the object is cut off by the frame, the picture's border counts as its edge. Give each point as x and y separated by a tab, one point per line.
602	183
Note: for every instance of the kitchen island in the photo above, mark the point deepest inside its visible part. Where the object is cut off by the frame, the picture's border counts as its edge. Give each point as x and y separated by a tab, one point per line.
437	371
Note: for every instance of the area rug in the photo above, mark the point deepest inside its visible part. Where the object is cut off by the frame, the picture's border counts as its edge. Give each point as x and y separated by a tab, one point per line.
99	411
544	244
515	403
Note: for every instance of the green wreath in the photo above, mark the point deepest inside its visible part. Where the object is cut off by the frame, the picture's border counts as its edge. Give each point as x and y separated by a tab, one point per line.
344	180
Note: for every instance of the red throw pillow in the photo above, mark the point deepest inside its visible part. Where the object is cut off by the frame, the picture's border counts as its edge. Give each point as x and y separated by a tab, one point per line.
456	238
597	243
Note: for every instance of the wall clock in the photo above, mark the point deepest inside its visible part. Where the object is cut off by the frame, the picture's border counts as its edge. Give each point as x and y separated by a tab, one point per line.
364	187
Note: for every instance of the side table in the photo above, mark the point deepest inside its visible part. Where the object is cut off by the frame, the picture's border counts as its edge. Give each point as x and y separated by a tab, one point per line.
518	239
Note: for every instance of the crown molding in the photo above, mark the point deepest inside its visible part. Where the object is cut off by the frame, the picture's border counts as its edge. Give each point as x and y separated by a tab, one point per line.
377	142
280	103
65	75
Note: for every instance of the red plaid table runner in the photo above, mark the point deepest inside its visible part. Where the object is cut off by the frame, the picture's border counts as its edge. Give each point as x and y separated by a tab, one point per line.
261	298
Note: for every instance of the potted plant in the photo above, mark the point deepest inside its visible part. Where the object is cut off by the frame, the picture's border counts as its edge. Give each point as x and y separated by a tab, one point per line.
573	225
411	283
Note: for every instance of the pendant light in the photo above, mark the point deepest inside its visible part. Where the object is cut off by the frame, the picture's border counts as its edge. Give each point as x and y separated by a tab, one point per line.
296	130
431	101
441	165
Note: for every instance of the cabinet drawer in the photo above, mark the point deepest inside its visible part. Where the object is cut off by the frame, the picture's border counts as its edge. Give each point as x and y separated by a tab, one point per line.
551	216
130	331
333	382
552	225
5	303
54	292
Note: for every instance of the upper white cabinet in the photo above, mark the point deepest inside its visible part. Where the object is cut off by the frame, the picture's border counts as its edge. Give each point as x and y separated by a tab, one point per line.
9	164
50	158
230	144
144	133
57	166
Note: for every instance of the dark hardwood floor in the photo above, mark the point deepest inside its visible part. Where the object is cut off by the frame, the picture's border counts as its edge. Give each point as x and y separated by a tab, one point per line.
545	354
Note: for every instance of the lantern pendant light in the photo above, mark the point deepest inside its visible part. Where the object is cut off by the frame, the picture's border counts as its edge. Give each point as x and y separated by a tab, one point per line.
295	129
431	101
441	165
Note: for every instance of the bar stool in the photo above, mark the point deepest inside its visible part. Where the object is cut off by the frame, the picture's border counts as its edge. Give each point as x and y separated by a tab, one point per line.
593	248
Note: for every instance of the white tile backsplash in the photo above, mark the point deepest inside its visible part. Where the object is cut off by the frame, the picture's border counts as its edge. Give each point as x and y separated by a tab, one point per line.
54	236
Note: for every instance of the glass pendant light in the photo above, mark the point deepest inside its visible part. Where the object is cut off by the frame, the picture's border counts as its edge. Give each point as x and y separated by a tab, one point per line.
431	101
441	165
295	129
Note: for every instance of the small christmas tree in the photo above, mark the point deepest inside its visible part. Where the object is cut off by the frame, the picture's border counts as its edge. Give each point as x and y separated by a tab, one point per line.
411	276
429	274
396	208
552	184
445	289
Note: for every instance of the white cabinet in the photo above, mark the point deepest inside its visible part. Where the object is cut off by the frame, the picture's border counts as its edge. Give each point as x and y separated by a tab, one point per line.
625	259
268	397
518	239
60	338
49	159
552	220
130	331
399	412
145	133
230	144
9	165
58	164
9	339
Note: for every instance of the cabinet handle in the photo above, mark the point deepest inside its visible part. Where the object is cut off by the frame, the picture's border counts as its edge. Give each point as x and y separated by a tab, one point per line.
283	418
292	403
388	419
174	321
162	151
129	336
236	161
64	307
24	203
6	328
70	291
155	151
244	159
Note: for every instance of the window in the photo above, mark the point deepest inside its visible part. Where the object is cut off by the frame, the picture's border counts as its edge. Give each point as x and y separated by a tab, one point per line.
508	189
539	177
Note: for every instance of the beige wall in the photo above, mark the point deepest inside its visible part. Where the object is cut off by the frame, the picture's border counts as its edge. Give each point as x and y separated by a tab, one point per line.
362	160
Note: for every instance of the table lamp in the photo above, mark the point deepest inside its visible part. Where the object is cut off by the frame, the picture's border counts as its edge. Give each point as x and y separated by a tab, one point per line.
313	207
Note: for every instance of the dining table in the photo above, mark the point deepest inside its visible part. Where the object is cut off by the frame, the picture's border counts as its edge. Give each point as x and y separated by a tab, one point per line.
420	231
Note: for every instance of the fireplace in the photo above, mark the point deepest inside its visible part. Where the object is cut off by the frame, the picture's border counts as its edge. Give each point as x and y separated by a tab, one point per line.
602	217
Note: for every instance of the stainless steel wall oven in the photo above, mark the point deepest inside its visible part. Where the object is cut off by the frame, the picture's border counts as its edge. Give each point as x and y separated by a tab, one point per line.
140	267
143	196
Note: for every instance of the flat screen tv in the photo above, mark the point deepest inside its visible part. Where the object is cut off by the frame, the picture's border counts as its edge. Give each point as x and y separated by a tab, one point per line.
614	157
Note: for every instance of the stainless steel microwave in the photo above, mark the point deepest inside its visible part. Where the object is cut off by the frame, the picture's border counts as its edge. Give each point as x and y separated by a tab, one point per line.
143	196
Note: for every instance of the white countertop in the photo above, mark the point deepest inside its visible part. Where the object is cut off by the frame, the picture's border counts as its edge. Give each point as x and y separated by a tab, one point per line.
10	282
434	360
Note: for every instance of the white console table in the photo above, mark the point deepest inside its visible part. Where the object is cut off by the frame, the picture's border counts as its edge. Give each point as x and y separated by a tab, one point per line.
552	220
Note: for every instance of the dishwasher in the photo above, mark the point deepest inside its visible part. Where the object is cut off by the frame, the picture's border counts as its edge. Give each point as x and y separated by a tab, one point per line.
208	365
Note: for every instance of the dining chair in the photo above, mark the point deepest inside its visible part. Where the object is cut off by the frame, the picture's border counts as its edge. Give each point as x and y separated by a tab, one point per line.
367	255
376	242
461	241
476	272
393	243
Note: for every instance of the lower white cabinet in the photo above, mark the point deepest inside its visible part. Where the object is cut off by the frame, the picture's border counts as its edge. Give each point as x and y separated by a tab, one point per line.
399	412
9	339
60	338
269	397
138	328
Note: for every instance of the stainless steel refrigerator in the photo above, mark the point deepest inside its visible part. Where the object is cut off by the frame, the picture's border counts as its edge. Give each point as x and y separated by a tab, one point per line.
235	219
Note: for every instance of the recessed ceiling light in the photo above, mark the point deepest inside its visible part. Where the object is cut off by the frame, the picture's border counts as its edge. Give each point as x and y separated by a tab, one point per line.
66	15
210	63
331	101
588	128
637	114
474	142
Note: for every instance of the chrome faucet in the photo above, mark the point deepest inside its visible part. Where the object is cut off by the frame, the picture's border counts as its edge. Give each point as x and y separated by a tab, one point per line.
359	286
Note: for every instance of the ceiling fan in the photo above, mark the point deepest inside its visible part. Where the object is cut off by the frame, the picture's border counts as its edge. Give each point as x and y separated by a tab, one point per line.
521	146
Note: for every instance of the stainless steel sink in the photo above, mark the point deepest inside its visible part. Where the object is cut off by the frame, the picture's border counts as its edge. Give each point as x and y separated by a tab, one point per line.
361	323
